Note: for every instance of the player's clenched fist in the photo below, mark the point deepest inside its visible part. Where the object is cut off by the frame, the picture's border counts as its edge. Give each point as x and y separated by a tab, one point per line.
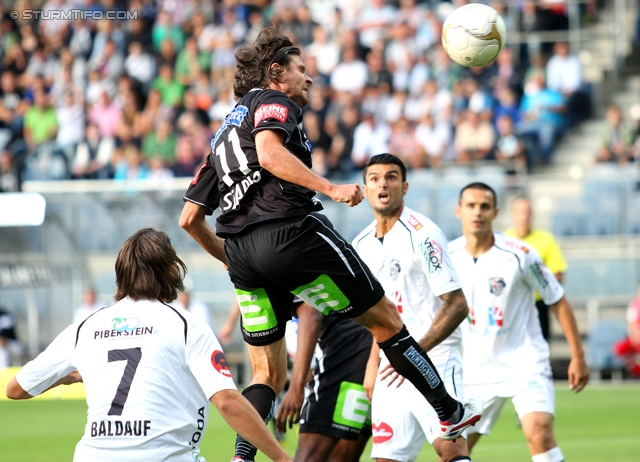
351	194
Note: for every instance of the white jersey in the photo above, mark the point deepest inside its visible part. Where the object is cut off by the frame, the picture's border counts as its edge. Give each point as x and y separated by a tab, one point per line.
413	266
149	371
502	341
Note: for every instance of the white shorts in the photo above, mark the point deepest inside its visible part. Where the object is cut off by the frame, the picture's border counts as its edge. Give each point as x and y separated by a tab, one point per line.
402	418
537	396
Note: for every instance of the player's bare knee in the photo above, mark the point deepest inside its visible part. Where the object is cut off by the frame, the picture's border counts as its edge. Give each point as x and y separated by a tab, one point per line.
449	451
541	436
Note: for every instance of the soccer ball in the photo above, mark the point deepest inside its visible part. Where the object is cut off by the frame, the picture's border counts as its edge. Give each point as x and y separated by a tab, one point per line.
473	35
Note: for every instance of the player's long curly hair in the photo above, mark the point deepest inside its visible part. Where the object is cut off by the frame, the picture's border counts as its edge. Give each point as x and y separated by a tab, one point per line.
148	268
253	62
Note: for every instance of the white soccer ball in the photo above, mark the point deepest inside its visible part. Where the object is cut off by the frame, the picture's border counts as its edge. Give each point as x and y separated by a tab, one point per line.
473	35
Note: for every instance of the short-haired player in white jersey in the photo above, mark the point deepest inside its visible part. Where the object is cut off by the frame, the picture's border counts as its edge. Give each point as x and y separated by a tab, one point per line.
149	370
406	251
505	355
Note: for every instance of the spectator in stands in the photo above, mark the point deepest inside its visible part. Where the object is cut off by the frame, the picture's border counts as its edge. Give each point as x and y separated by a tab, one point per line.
130	164
171	90
15	60
71	122
628	349
12	108
89	305
40	121
158	171
474	139
161	143
93	155
435	141
319	139
370	137
403	144
509	150
154	111
350	74
9	176
546	246
106	115
564	74
163	29
436	102
395	106
303	28
507	73
190	62
140	33
167	54
139	64
64	84
506	105
109	63
338	160
616	141
325	50
223	104
401	54
478	99
543	116
374	21
96	86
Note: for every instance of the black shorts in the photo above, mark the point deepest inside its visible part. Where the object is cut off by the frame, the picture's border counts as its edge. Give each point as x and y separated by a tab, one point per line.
306	258
336	404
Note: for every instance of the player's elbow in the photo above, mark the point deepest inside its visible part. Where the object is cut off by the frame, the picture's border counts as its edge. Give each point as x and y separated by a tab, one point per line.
267	159
190	217
228	403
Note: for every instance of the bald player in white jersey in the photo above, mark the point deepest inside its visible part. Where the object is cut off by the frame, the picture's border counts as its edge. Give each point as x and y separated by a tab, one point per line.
505	355
149	369
407	252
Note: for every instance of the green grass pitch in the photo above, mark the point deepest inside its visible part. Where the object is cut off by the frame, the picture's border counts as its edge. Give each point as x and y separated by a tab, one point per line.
600	424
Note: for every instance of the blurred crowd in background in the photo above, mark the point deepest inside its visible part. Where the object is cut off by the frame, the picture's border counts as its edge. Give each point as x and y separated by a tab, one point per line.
140	98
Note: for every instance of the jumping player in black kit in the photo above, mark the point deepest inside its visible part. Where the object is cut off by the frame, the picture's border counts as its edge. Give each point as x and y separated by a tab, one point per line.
277	246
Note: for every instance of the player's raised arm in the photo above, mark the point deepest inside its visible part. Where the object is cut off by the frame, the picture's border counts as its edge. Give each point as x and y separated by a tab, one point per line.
277	159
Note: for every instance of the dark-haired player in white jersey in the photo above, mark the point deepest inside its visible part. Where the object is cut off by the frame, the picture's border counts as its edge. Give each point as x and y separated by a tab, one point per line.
407	253
505	355
276	245
149	370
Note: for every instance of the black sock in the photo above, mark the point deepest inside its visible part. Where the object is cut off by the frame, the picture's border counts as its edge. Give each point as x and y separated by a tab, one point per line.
263	398
411	361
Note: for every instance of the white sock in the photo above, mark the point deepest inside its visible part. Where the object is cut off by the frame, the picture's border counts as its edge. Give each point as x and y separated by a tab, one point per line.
552	455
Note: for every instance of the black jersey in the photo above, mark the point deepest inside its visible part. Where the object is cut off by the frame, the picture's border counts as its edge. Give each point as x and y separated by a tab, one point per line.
232	177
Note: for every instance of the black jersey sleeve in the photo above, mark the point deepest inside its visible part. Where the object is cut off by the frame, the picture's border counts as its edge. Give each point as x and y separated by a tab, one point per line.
274	110
204	189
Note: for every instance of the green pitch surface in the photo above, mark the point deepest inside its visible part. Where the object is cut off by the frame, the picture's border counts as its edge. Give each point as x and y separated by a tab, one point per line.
600	424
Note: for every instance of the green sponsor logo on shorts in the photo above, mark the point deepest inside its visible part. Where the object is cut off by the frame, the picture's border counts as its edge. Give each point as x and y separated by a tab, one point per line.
256	309
352	406
323	295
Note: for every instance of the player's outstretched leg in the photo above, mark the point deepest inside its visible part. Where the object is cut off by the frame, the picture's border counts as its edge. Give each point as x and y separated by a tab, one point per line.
410	360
